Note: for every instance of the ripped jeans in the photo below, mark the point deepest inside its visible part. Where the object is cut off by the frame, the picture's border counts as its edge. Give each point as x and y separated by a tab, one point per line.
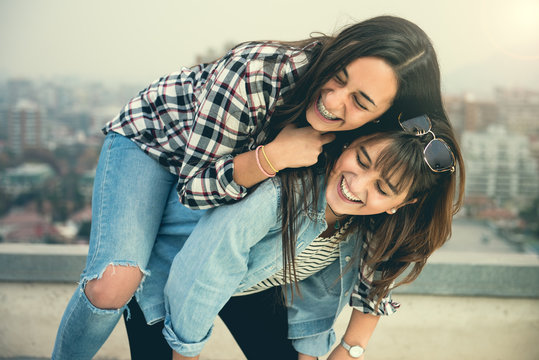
137	220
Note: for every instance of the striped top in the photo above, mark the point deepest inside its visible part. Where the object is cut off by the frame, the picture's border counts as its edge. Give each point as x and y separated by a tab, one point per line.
316	256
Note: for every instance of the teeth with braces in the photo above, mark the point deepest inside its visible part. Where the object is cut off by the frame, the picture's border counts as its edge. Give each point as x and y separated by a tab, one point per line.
324	111
347	194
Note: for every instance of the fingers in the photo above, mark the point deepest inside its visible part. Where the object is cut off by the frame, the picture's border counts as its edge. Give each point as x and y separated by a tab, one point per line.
327	138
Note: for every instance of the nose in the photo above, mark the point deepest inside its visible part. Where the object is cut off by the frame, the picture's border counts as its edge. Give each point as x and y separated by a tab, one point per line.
335	102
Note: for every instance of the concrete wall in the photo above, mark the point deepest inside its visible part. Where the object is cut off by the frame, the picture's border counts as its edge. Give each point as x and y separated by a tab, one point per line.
457	309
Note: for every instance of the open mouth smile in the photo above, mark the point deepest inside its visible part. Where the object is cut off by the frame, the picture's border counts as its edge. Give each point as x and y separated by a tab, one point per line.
347	194
323	112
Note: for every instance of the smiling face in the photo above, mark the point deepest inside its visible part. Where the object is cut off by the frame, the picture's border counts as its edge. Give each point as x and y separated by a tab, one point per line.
357	187
360	93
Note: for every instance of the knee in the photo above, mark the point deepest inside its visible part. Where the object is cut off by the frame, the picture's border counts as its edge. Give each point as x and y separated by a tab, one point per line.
115	288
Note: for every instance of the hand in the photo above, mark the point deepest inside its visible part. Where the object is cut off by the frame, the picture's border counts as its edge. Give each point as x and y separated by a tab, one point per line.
296	147
340	353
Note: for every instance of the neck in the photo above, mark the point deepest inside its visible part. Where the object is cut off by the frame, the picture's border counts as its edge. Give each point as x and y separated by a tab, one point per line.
332	216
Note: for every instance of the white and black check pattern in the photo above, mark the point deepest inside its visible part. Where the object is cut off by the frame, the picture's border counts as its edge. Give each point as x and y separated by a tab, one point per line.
194	121
360	295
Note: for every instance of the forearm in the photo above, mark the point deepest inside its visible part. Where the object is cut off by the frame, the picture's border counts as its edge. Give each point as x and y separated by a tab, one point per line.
176	356
292	148
360	329
247	172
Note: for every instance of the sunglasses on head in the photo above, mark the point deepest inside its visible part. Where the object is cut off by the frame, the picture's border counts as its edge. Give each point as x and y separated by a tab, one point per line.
437	153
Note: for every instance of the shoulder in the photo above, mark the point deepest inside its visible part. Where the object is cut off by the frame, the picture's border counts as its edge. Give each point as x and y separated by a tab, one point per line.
270	49
270	54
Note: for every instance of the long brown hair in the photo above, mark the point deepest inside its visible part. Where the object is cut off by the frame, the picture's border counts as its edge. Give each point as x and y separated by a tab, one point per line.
402	45
408	237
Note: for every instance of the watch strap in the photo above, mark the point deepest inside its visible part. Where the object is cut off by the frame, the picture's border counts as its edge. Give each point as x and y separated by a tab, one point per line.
354	351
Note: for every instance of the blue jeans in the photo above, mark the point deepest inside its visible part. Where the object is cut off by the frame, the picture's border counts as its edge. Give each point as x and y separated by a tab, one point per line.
135	210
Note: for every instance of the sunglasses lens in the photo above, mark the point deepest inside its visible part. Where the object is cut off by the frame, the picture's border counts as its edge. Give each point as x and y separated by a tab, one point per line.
438	156
417	125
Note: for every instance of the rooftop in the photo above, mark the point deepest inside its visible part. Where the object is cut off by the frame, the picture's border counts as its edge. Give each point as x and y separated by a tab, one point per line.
482	303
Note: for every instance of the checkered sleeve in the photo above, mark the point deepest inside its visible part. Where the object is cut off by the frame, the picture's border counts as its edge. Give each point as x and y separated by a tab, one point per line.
360	296
233	103
194	121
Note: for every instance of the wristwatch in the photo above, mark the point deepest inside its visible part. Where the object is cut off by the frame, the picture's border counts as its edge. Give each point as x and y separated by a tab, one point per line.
354	351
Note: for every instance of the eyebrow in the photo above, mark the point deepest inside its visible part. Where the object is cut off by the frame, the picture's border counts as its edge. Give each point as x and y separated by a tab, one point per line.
360	92
364	151
391	186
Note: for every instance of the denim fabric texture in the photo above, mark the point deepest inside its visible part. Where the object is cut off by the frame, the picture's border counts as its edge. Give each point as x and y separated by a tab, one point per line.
134	217
235	246
138	221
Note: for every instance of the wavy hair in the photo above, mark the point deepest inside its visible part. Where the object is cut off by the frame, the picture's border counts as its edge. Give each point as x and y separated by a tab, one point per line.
398	241
404	46
405	240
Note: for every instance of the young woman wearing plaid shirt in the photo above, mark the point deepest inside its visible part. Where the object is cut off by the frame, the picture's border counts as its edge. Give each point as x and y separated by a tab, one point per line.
200	129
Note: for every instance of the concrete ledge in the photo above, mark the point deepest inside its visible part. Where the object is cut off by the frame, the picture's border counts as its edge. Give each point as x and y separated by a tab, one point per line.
41	262
447	273
36	282
478	274
425	327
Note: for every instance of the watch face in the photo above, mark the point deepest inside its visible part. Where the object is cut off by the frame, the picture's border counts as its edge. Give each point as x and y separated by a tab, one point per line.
356	351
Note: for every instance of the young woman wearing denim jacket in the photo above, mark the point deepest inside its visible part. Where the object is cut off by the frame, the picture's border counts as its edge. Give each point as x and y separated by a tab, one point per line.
397	206
197	132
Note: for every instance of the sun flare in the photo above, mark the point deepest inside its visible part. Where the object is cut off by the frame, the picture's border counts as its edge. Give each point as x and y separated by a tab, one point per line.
512	26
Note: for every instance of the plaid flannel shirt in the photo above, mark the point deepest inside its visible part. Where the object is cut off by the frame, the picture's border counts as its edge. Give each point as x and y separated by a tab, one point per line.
363	286
193	122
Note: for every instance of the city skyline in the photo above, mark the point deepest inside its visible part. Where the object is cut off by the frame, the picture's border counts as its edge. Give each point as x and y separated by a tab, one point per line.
481	44
57	54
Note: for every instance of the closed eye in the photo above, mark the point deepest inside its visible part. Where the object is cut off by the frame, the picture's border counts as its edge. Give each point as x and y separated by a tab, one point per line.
380	190
358	103
339	80
364	163
361	163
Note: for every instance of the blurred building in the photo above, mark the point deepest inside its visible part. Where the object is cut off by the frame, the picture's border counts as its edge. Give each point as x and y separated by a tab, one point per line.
86	184
3	122
27	227
17	89
520	113
499	167
519	109
468	114
25	127
25	178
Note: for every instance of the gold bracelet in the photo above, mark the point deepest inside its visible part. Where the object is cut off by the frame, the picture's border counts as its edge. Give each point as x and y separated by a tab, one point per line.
267	160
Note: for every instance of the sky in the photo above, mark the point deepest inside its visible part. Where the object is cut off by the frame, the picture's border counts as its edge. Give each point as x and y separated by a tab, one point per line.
480	43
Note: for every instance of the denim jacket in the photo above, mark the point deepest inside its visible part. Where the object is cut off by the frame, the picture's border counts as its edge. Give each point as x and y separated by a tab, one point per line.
232	248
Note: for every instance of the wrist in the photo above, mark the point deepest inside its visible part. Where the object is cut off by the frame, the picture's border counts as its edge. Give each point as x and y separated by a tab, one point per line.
263	162
354	350
275	159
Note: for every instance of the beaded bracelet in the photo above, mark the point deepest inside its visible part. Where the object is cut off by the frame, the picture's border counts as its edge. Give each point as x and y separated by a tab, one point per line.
260	165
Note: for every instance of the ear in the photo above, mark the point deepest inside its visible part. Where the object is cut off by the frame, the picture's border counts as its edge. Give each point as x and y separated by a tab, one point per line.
393	210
